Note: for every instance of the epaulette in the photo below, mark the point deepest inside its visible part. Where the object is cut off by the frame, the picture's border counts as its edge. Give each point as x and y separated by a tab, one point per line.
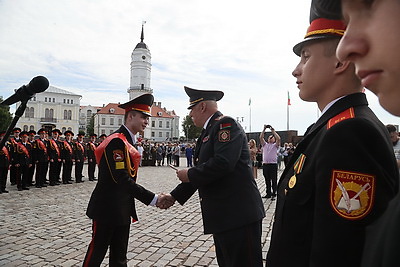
347	114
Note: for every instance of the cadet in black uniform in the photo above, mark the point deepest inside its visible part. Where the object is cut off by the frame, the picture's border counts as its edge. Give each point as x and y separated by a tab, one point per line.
5	160
342	174
90	148
79	156
31	171
67	156
41	156
112	205
230	201
12	147
54	152
22	161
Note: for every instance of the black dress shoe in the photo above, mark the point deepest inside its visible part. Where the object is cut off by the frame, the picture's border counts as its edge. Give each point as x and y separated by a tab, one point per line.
38	186
4	191
44	185
19	189
267	196
25	188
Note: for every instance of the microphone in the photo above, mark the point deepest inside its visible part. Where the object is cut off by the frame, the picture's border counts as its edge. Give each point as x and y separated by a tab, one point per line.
25	92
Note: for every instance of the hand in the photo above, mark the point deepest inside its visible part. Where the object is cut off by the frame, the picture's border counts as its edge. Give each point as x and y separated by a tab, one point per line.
165	201
182	175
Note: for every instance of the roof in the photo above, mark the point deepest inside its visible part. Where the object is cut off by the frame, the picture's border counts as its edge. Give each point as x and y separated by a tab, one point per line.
159	112
53	89
142	45
114	106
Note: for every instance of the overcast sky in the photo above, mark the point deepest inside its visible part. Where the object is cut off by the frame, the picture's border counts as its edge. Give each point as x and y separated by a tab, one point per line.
243	48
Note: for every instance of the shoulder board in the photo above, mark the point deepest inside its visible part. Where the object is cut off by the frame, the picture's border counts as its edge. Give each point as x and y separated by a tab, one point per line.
219	118
347	114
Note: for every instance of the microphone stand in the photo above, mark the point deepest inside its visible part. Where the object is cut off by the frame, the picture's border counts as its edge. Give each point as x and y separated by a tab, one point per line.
18	113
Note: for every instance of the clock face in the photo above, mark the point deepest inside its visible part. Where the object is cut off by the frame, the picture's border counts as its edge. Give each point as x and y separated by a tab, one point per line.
143	57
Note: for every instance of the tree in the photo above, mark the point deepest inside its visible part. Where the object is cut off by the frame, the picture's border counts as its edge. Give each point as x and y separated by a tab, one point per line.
90	127
5	116
190	130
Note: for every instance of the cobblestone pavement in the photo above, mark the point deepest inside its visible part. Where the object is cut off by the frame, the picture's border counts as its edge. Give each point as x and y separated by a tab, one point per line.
48	226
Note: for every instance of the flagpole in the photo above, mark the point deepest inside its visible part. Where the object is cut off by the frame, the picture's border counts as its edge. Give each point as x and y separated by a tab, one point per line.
287	111
250	115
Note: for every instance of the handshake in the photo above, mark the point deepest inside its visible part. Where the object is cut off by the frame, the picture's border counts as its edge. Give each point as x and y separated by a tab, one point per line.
165	201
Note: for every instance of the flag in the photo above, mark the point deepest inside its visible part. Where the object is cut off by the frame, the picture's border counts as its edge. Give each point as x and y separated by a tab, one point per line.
288	99
249	101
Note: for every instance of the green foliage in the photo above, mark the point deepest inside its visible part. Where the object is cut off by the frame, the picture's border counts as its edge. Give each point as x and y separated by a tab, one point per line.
5	116
90	127
190	130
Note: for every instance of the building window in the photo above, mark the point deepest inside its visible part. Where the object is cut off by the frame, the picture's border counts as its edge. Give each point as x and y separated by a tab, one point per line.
111	131
69	129
119	122
103	121
153	134
32	111
54	100
51	113
65	114
69	114
160	124
111	121
31	128
160	134
167	124
72	101
64	101
47	113
89	113
153	124
45	99
167	134
103	131
63	129
25	127
34	98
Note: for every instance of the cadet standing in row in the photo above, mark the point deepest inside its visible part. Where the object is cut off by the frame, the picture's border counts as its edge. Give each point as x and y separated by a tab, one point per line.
54	152
5	160
79	157
90	148
67	156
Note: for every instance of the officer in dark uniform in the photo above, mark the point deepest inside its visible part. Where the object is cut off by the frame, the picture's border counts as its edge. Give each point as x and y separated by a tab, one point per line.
90	148
22	161
54	152
31	172
5	160
342	174
230	201
79	156
67	156
41	155
112	205
12	147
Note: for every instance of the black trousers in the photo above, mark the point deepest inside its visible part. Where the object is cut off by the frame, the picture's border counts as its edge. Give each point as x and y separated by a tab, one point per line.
104	236
3	178
239	247
270	172
41	172
91	168
78	171
66	172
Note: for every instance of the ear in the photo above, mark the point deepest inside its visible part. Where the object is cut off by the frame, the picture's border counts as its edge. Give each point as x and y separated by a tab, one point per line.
341	66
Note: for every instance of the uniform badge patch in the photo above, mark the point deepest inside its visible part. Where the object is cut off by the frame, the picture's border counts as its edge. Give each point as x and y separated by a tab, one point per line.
352	194
118	155
120	165
224	135
205	139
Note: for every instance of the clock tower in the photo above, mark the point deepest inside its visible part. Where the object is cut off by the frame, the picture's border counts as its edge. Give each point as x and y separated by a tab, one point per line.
140	70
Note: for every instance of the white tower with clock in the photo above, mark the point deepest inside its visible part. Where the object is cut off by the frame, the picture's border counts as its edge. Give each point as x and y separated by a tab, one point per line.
140	70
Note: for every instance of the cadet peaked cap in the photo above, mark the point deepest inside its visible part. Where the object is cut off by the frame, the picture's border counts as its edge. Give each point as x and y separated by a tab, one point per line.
23	133
321	29
93	135
329	9
16	130
32	132
42	130
56	131
81	134
68	133
196	96
103	135
2	133
141	103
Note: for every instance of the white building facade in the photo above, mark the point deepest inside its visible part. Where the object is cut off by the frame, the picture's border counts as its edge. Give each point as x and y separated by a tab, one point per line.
53	108
85	115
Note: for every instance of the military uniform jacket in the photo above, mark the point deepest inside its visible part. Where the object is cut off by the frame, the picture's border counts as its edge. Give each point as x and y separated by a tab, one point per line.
22	156
229	196
90	148
67	150
5	156
79	151
40	149
52	151
338	181
112	200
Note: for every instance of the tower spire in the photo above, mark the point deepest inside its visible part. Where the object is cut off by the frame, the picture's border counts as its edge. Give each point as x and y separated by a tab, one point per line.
142	35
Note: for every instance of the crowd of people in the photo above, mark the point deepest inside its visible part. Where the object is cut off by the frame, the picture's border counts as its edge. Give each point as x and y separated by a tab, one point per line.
40	159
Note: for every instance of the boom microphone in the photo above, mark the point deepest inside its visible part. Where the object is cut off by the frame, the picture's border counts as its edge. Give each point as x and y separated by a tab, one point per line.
25	92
